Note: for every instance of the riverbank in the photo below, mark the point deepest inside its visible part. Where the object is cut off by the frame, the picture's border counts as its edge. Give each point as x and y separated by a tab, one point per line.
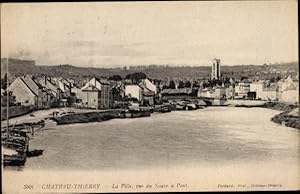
39	115
73	115
285	118
289	117
245	103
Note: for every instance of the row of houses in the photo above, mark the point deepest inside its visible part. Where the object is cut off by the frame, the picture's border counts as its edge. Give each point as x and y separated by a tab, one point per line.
285	90
103	94
46	92
41	92
29	92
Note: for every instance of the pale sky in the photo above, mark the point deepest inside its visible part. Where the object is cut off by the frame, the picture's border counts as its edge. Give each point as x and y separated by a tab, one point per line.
101	34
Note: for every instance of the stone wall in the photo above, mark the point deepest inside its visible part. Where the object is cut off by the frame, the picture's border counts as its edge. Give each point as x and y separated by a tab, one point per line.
15	111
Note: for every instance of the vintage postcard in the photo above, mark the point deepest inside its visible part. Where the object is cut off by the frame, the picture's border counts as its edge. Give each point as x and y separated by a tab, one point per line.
149	96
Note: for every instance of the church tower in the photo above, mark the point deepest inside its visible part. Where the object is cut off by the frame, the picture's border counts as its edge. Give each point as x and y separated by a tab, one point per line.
215	69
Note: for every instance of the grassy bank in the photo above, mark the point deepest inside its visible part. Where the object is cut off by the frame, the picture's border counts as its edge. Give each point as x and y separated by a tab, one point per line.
280	106
285	118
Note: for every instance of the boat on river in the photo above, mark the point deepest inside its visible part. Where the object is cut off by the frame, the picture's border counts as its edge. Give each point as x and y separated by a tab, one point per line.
163	108
131	113
25	126
15	142
15	147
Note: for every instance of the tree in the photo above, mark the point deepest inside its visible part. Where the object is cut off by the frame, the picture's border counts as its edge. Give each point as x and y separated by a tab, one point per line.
196	84
187	84
227	80
272	79
244	78
164	87
172	84
116	93
212	82
278	78
71	100
11	97
205	84
136	77
180	84
115	78
4	82
128	76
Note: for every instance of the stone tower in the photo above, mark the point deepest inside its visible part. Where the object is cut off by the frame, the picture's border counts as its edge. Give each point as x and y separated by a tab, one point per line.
215	69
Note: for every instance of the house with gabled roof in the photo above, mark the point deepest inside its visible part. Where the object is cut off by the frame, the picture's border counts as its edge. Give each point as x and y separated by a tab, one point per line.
34	93
96	93
149	85
23	93
50	84
45	98
134	91
149	90
64	85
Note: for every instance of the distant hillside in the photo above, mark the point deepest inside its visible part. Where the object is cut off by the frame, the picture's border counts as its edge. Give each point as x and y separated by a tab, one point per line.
16	65
21	67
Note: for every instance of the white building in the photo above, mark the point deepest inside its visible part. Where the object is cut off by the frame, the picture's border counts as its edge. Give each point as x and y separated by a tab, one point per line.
93	82
290	96
24	95
95	93
149	85
242	89
229	91
205	93
134	91
264	92
269	93
217	93
257	87
288	90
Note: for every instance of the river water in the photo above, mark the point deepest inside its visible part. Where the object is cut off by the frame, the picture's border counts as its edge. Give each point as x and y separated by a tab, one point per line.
241	140
211	136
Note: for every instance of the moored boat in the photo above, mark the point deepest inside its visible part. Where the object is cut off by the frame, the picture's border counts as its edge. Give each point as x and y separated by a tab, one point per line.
191	106
128	113
12	157
163	108
15	146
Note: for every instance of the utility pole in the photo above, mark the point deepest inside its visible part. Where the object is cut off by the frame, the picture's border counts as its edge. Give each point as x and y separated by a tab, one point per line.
7	99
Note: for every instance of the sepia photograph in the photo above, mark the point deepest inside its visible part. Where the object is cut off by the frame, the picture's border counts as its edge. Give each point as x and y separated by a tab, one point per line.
169	96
